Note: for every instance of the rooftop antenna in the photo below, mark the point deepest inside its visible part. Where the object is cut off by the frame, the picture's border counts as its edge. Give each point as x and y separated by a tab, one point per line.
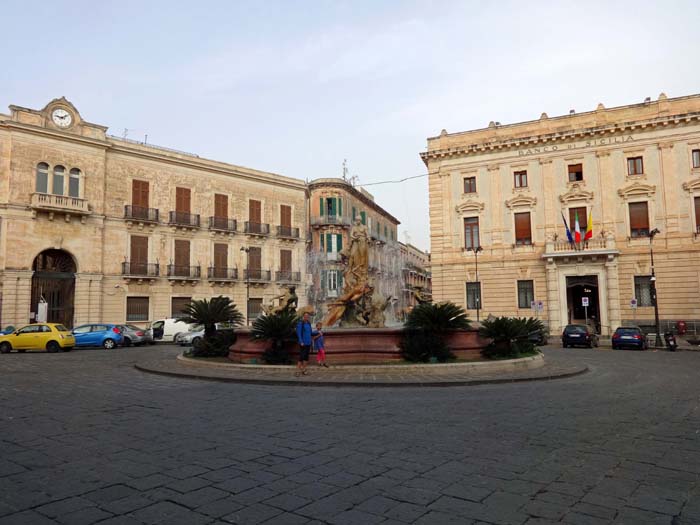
126	132
406	237
345	170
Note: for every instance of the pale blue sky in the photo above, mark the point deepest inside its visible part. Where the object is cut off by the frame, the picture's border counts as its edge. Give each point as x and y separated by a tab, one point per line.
294	87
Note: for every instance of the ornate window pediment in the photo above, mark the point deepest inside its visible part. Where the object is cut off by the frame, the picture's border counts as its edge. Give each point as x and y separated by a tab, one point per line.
521	201
637	189
692	185
576	193
470	206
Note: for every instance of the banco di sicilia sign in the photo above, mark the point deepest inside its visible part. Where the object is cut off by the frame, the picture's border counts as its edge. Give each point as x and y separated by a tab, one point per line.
592	143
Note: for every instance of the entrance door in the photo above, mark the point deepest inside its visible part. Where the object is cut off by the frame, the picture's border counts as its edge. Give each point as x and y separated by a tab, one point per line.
54	281
580	288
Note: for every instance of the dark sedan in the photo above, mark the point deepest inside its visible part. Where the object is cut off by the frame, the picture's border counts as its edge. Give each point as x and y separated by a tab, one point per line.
630	337
578	335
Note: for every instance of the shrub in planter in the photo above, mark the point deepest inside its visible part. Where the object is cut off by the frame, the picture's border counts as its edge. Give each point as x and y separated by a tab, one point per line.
419	346
425	330
509	336
209	313
217	345
279	330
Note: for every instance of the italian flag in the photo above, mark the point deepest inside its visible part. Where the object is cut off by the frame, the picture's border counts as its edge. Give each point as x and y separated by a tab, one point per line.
589	228
577	230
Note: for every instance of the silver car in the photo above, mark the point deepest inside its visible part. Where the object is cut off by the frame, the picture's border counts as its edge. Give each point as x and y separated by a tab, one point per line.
192	338
133	335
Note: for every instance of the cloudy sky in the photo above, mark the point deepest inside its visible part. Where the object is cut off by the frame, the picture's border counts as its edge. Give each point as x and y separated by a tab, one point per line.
295	87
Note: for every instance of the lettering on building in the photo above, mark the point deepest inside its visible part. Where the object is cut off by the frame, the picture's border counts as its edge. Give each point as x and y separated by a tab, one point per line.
591	143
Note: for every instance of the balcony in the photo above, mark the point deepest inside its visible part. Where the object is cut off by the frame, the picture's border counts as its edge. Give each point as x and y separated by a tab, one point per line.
183	220
287	276
591	249
141	214
178	272
223	224
61	204
140	271
287	232
218	274
323	220
256	228
255	275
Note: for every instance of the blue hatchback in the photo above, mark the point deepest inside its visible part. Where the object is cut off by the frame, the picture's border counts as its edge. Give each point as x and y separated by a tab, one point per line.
105	335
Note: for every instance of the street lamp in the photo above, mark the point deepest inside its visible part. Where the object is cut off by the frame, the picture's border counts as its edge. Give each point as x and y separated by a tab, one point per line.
478	284
247	284
653	234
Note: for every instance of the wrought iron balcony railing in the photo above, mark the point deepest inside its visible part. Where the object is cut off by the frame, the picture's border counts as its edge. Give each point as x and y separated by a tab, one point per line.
223	224
257	228
341	220
141	214
215	273
286	276
176	271
140	269
181	218
287	232
253	274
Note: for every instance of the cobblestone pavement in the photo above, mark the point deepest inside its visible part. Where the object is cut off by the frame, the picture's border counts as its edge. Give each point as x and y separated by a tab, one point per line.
86	438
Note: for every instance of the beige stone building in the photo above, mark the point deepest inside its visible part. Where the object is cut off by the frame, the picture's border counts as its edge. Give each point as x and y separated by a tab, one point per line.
107	229
415	274
508	188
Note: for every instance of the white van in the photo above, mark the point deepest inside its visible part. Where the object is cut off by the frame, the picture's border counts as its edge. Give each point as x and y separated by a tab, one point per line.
168	330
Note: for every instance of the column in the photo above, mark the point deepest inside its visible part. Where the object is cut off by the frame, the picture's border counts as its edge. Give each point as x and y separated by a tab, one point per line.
613	285
608	199
668	206
551	217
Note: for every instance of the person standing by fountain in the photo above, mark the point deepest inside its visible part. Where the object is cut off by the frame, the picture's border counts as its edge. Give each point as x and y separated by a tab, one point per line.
319	345
304	339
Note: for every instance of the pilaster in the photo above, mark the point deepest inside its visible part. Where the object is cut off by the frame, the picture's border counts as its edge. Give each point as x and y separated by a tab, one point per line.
16	297
613	286
88	298
553	307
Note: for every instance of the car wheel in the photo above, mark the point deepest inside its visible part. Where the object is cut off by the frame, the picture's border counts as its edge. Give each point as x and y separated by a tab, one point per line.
108	344
176	338
52	347
5	348
196	342
127	341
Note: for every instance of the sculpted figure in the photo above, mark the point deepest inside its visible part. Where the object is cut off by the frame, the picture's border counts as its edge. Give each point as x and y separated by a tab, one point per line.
288	301
357	255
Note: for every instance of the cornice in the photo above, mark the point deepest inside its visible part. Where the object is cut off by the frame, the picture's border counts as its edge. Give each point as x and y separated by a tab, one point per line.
470	206
340	184
637	189
521	201
69	137
576	193
692	185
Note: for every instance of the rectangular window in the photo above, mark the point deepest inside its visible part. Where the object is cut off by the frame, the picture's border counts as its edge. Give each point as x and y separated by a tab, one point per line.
363	216
285	216
286	261
696	158
254	211
254	308
139	255
178	304
642	290
575	172
182	200
74	183
582	219
221	257
523	232
520	179
332	280
471	233
354	213
639	219
42	178
697	214
526	293
255	259
58	173
182	257
137	308
635	166
470	185
221	206
474	296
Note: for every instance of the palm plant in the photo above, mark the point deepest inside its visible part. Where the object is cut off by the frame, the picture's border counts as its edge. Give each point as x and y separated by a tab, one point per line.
509	335
276	328
210	312
425	330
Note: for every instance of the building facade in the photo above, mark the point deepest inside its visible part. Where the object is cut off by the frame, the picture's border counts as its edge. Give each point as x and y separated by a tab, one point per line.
499	197
334	205
107	229
415	274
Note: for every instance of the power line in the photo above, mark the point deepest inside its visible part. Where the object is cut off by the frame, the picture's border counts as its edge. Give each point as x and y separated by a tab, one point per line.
393	181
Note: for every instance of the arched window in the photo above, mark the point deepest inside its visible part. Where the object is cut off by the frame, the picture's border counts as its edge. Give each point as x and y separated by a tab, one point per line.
58	172
74	183
42	177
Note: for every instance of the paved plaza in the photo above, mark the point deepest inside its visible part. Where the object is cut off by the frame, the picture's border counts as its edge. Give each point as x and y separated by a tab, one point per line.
86	438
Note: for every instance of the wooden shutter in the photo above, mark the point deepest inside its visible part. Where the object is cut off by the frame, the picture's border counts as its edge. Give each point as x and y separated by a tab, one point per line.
255	258
254	211
220	256
285	216
329	242
323	244
139	250
285	260
140	193
182	200
697	214
221	206
582	219
182	253
340	207
178	305
522	227
639	216
340	242
322	211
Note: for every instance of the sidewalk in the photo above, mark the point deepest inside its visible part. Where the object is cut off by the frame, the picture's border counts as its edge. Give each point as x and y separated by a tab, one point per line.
400	375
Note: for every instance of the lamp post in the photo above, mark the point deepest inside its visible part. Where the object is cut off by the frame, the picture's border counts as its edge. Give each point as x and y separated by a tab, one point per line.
653	234
478	284
247	284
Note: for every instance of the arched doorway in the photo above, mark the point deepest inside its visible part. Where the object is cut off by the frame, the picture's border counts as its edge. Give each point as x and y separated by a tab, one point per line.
54	280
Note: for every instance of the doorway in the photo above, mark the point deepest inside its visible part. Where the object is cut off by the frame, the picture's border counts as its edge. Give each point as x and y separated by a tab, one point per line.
53	281
578	289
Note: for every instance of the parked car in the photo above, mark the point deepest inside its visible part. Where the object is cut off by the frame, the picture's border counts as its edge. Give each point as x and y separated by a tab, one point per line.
98	334
538	337
49	336
7	330
578	335
169	329
629	336
133	335
192	338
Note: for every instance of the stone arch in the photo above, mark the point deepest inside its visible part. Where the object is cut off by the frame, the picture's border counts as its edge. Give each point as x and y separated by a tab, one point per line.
53	281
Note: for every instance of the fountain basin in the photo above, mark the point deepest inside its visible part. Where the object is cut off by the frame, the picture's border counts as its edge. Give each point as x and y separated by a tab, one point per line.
359	346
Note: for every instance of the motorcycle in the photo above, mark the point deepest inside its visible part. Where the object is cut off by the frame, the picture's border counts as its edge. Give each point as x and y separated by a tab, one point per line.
671	343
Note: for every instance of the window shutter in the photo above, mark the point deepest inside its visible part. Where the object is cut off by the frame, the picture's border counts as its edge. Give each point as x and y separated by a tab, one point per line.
139	249
639	216
329	241
333	206
321	206
582	218
364	217
697	214
340	207
220	255
323	244
255	256
182	253
354	212
221	206
340	236
182	200
254	211
522	227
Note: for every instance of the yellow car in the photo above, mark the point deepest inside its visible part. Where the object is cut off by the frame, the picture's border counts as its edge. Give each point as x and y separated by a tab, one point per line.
50	336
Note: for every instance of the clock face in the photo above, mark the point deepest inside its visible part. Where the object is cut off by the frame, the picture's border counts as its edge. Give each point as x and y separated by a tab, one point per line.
61	118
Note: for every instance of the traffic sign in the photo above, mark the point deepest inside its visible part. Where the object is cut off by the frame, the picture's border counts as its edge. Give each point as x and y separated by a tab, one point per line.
540	306
584	301
633	303
533	305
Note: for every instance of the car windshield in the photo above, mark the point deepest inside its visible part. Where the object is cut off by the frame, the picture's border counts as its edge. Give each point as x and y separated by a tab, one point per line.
576	329
61	328
133	327
628	331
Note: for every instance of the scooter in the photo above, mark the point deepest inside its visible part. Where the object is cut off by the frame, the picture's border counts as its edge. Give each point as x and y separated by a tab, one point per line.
671	343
